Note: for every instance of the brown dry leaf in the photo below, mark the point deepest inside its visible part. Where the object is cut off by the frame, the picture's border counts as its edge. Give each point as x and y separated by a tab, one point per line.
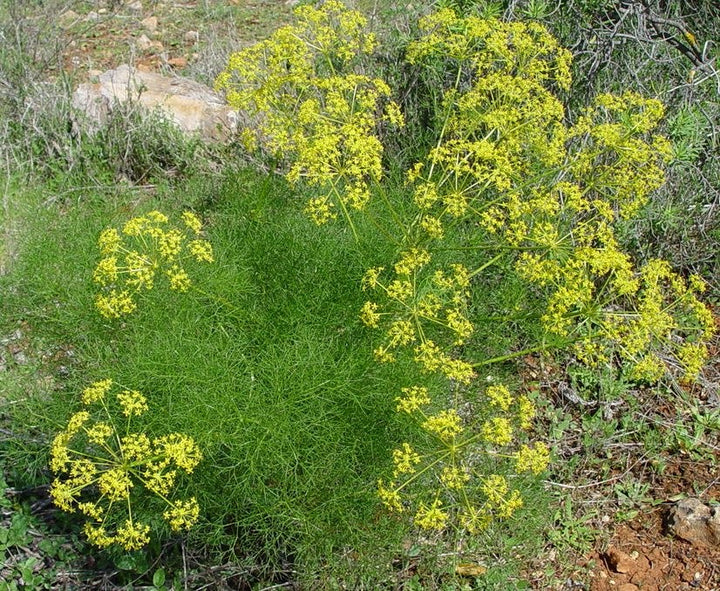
468	569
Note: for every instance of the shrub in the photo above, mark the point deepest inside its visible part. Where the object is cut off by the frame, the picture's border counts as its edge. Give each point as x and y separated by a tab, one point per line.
508	179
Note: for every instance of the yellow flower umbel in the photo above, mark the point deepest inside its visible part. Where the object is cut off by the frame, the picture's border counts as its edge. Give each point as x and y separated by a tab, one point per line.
424	310
450	467
102	468
314	107
147	248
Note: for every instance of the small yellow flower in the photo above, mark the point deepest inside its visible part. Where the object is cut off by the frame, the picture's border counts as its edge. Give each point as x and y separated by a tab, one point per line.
106	271
109	241
170	244
115	483
192	221
182	514
63	495
495	487
405	459
132	402
133	535
181	449
453	477
59	453
76	421
98	535
499	396
96	391
525	411
201	250
320	211
509	505
413	398
431	517
411	260
390	496
400	290
383	355
158	479
92	510
369	314
446	424
532	459
497	431
400	332
370	279
115	305
99	432
179	279
136	447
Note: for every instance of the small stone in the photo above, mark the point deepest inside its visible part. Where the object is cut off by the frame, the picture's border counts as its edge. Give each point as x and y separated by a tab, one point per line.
191	37
177	62
136	5
150	23
102	11
143	42
194	107
92	16
693	521
619	561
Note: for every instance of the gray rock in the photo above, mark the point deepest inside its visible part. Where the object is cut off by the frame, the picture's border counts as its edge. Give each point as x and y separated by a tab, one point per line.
192	106
694	521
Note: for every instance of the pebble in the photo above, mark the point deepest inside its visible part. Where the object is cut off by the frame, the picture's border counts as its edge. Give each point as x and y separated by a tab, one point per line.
150	23
177	62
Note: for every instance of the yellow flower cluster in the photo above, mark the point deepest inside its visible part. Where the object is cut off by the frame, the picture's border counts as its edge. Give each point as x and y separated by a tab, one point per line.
536	193
101	469
550	194
421	306
313	106
450	469
146	248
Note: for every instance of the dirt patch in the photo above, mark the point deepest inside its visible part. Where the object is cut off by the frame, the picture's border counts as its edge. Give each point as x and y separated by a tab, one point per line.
640	555
163	35
643	555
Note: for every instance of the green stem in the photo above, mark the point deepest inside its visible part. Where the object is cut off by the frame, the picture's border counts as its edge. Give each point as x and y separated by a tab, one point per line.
509	356
480	269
